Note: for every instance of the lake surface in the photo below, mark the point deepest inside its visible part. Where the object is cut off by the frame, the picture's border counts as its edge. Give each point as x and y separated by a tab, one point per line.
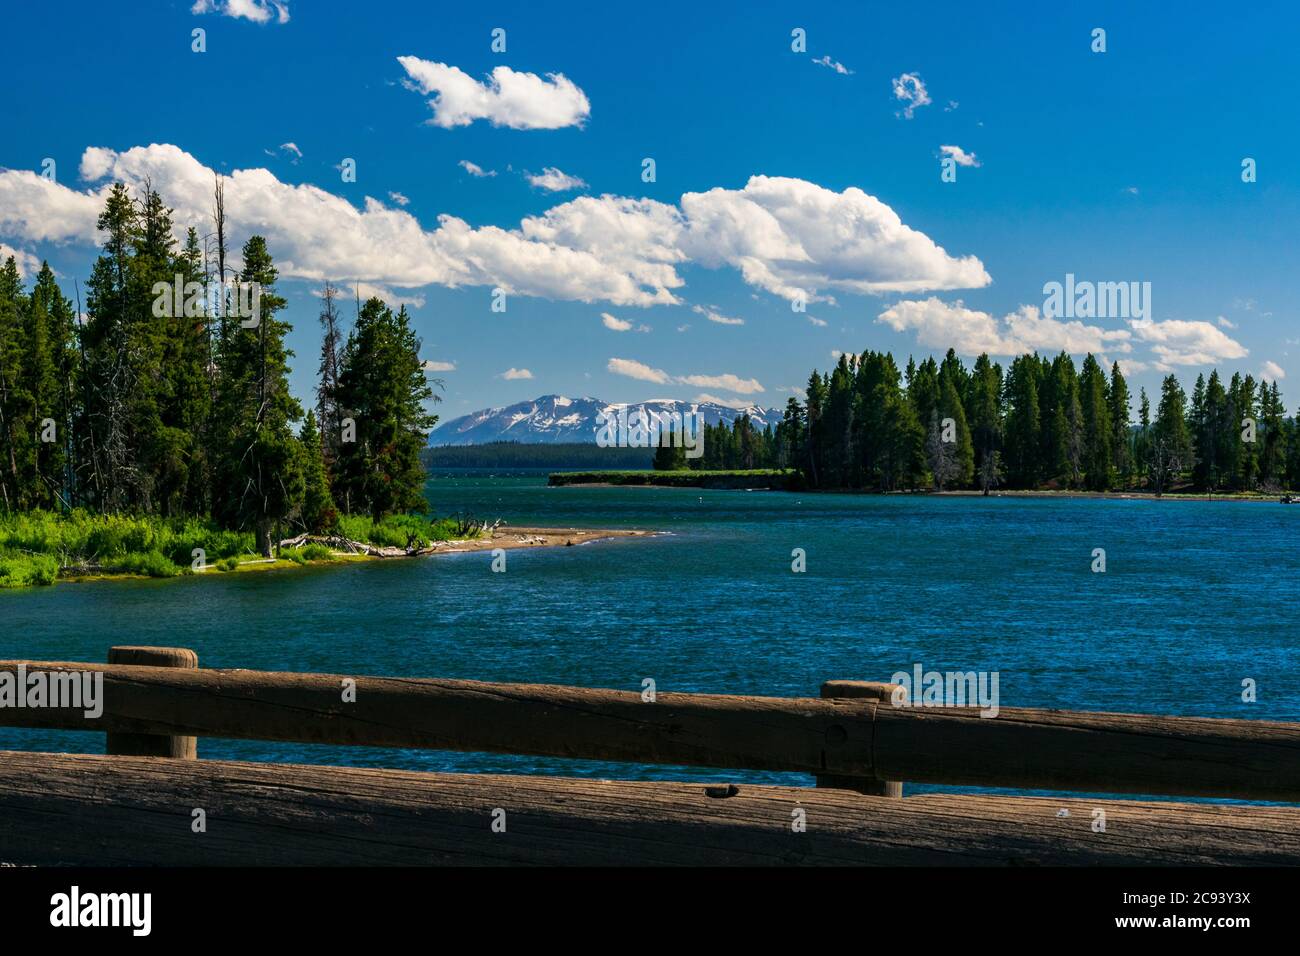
1197	596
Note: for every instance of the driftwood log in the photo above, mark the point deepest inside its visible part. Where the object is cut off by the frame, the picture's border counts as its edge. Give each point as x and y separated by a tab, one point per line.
1023	748
59	808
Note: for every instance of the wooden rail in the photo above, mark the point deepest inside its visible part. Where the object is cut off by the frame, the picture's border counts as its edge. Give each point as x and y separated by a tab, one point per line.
836	737
63	809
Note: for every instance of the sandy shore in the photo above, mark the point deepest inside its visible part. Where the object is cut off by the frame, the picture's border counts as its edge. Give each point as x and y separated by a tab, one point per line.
511	537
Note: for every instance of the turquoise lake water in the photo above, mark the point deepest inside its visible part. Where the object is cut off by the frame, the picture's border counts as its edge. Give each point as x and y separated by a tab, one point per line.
1197	596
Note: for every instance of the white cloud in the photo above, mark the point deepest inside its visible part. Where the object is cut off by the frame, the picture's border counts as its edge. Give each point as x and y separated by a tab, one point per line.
941	325
794	238
28	264
620	325
952	105
511	374
1272	371
400	199
1181	342
259	11
639	370
960	155
732	383
788	237
1223	321
507	98
911	90
432	366
555	181
820	323
714	316
475	170
37	209
835	65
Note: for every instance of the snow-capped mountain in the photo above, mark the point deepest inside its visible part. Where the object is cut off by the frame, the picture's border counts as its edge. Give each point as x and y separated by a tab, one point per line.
553	419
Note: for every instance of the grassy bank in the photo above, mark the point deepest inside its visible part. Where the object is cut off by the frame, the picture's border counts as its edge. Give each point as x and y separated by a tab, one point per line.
754	478
40	547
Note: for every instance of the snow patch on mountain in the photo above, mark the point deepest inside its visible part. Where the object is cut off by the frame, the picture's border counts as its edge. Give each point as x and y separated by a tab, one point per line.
555	419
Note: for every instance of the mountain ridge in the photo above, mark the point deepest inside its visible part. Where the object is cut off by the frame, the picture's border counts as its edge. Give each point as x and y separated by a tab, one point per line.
555	419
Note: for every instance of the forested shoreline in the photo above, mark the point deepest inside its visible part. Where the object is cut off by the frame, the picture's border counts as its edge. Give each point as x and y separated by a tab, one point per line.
176	409
1040	424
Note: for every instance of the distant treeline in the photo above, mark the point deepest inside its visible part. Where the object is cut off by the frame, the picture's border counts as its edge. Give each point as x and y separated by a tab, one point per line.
1040	423
510	454
167	405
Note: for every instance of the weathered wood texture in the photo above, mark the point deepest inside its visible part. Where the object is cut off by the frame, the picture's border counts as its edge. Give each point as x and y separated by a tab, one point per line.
757	733
860	690
59	808
152	745
1033	749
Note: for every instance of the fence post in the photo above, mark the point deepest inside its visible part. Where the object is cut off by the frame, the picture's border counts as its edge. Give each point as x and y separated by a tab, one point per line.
860	689
153	745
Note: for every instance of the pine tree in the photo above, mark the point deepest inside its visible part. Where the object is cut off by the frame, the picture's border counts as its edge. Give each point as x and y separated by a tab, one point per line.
318	512
985	405
1170	451
1023	427
259	480
1097	434
14	441
1117	403
383	389
951	407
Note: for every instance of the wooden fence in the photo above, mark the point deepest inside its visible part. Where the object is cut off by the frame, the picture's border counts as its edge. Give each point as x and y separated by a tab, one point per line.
130	806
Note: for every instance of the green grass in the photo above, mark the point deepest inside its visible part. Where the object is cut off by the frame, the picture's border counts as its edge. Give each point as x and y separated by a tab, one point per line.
27	570
38	547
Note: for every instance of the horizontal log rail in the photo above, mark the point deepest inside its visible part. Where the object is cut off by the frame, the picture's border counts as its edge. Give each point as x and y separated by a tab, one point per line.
66	809
839	737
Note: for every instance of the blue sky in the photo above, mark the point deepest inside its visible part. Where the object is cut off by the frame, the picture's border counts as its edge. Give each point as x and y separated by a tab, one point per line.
1114	167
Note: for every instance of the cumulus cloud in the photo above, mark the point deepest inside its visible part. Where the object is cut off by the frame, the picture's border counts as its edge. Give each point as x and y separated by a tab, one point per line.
941	325
713	315
732	383
786	236
555	181
960	156
631	368
639	370
505	98
1172	342
475	170
1272	371
911	90
794	238
432	366
835	65
621	325
512	374
259	11
399	199
1181	342
28	264
37	209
